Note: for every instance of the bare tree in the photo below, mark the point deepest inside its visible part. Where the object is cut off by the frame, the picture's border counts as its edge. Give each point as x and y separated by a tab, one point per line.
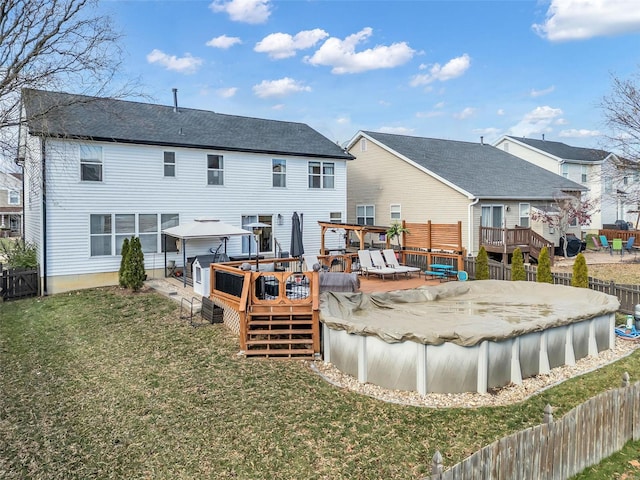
621	109
54	45
568	211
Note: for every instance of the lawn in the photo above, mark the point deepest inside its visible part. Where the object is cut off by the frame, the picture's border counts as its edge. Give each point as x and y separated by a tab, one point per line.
107	384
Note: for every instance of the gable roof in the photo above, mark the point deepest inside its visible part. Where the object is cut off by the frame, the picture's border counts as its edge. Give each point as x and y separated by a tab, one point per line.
564	151
65	115
477	170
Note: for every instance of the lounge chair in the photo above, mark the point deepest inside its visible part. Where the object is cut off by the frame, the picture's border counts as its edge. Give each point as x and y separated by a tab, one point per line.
628	247
392	261
596	243
378	262
367	267
310	260
605	243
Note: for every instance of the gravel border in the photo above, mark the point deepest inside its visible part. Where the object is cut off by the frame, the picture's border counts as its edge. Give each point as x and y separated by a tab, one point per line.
507	395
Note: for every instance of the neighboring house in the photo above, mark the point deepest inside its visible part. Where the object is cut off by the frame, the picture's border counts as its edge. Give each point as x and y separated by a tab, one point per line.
587	166
114	169
10	204
399	177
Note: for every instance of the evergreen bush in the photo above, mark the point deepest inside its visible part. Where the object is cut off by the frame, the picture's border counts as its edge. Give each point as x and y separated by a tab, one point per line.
123	263
544	267
580	276
134	275
518	272
482	265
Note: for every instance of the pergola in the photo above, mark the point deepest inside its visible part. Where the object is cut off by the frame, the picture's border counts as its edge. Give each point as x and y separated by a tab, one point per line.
359	230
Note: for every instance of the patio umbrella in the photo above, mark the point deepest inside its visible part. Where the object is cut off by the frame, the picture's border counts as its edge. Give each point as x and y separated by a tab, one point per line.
297	248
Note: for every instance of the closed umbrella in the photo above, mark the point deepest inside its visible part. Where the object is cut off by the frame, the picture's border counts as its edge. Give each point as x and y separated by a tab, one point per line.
297	248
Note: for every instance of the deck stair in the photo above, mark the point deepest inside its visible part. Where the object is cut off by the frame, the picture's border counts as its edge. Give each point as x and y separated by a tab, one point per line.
284	331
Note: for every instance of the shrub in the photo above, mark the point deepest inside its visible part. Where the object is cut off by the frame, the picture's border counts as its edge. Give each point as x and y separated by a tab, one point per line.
19	254
580	276
518	272
134	275
544	267
482	265
123	262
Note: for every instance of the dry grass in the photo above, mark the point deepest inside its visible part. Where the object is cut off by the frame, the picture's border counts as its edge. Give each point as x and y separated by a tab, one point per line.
106	384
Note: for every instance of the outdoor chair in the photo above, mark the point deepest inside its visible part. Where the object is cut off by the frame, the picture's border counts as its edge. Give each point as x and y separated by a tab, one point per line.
605	243
628	247
596	243
311	260
392	261
379	262
616	246
367	267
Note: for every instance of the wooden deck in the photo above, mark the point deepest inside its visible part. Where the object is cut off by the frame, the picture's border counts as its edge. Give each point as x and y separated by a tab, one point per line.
376	285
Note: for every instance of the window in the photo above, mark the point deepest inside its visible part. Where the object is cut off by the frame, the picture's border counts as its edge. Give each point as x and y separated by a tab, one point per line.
279	171
90	163
14	197
625	180
608	185
565	170
583	170
125	228
100	235
148	232
335	217
111	229
168	220
169	164
215	170
321	174
491	216
363	144
525	209
395	213
365	214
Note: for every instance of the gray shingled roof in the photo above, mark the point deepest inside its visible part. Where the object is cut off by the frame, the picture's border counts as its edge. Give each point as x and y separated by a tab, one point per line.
479	169
564	151
103	119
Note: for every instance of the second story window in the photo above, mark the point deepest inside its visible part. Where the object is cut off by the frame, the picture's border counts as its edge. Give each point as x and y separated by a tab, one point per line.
395	213
169	164
321	174
215	173
565	170
279	172
583	172
14	197
90	163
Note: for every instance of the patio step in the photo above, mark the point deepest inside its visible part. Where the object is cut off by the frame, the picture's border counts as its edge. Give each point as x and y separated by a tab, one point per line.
281	333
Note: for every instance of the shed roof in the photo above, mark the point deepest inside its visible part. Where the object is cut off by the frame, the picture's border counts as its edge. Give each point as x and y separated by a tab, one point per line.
480	170
105	119
205	228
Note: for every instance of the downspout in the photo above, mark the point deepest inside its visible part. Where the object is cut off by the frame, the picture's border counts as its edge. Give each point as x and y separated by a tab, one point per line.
44	218
470	227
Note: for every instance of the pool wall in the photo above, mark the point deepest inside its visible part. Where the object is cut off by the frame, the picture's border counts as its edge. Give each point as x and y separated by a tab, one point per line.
452	368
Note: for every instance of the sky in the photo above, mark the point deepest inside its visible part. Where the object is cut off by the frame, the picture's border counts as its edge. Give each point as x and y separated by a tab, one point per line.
456	69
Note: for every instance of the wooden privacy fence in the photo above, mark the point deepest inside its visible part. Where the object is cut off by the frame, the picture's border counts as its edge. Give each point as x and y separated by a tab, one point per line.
556	450
19	283
628	295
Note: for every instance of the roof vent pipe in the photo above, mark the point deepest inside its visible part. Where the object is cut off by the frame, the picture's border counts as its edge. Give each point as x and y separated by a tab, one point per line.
175	99
481	140
543	137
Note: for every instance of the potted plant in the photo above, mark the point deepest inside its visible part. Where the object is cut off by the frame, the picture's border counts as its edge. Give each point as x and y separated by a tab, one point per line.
395	230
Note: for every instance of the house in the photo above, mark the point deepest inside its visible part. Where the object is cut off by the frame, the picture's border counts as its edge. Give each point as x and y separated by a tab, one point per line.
10	204
587	166
99	170
400	177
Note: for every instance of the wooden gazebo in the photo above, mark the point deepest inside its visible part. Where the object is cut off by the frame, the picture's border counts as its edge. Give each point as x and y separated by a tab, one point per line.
360	231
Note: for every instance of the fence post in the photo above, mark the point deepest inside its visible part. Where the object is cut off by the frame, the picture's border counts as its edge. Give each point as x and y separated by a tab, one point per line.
625	380
548	414
436	465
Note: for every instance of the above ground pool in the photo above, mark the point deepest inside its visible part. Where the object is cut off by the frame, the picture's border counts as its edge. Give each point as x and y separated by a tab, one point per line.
464	336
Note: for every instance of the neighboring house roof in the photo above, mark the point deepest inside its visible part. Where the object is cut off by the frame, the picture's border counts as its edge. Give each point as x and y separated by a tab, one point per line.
478	170
66	115
564	151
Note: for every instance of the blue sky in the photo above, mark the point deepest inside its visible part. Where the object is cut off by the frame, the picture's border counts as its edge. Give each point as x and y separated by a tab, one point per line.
444	69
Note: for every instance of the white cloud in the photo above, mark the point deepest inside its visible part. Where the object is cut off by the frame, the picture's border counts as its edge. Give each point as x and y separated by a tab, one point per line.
536	121
278	106
223	42
246	11
582	19
345	120
466	113
397	130
539	93
500	112
452	69
283	45
580	133
561	121
186	64
227	92
431	114
279	88
489	131
341	55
